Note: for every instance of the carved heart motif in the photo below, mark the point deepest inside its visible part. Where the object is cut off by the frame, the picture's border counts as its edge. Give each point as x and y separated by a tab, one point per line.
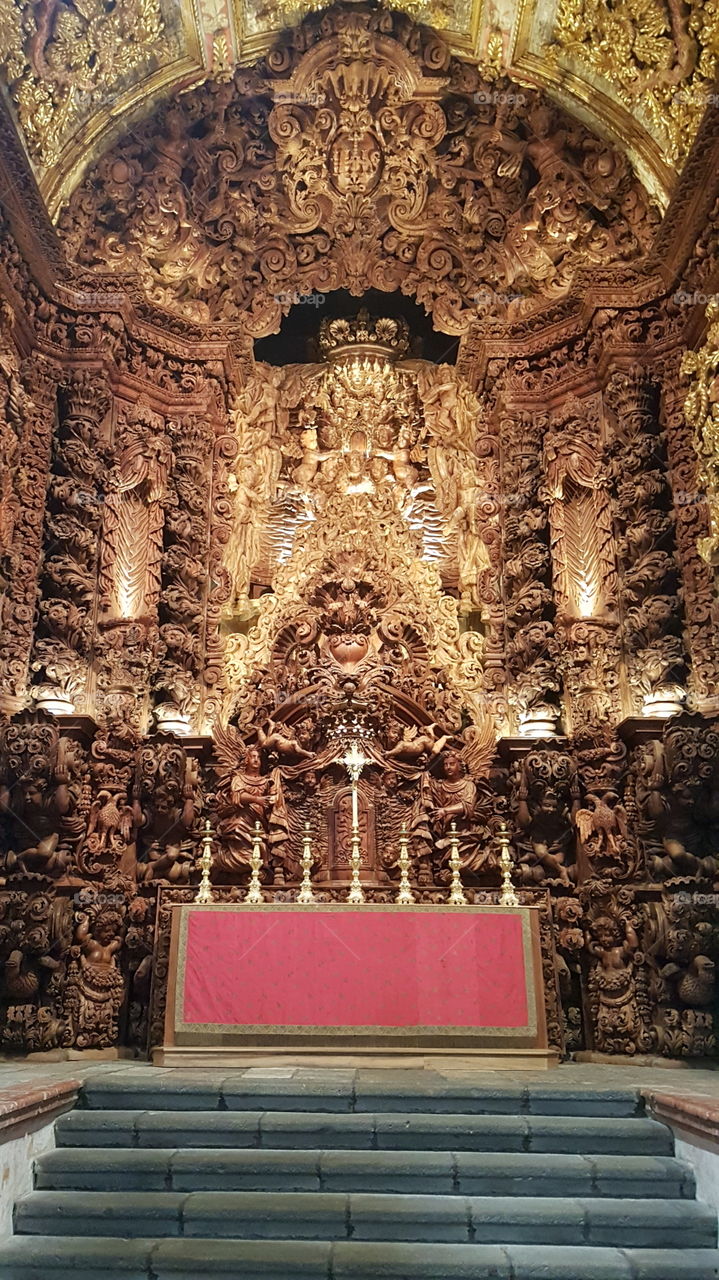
348	650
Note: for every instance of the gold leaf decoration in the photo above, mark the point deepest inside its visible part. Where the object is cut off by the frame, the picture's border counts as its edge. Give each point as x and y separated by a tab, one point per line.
65	58
659	56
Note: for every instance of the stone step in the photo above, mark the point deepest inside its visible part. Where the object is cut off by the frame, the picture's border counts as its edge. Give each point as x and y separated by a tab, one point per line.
57	1258
339	1092
325	1216
379	1131
463	1173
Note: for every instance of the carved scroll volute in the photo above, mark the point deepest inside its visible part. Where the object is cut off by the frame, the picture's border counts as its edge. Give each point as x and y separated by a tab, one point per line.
130	570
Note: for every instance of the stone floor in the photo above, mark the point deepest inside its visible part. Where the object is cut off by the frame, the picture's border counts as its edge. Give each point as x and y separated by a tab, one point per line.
686	1081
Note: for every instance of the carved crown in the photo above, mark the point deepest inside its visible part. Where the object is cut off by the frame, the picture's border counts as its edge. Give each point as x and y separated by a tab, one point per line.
363	336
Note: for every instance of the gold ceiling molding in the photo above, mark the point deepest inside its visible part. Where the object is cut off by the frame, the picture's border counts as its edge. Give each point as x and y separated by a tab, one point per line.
360	155
73	67
660	58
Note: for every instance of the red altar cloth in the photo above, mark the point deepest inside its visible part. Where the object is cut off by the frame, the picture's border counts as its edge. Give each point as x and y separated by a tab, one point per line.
251	974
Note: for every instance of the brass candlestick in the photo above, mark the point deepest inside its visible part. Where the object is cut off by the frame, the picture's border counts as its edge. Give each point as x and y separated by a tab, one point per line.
457	896
204	889
509	897
306	895
355	762
254	891
405	897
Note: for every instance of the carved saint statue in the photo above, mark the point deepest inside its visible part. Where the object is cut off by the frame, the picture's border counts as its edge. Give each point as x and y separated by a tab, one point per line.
450	797
472	554
258	418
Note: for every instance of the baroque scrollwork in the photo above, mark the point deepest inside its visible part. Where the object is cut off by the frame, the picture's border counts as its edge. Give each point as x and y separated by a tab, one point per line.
223	578
362	147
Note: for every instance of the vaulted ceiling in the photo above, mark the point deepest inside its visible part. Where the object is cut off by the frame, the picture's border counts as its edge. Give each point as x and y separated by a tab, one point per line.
80	72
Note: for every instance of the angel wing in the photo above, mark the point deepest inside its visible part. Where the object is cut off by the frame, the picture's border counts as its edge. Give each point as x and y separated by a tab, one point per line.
480	744
229	746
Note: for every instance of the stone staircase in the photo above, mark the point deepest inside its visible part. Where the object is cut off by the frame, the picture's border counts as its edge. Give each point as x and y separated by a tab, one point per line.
358	1176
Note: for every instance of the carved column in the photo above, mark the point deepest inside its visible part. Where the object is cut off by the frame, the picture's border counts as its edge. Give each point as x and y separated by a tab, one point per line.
35	390
69	578
691	515
533	688
220	580
650	609
185	575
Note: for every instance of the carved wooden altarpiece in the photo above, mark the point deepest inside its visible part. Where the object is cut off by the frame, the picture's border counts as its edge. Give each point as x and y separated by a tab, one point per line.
497	576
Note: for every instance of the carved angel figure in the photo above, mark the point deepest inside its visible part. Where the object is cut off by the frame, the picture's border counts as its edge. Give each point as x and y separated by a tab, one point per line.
411	743
547	799
95	988
273	737
618	1026
247	795
452	795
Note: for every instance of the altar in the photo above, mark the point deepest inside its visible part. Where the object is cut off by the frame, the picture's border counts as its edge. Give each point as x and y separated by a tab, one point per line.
281	982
